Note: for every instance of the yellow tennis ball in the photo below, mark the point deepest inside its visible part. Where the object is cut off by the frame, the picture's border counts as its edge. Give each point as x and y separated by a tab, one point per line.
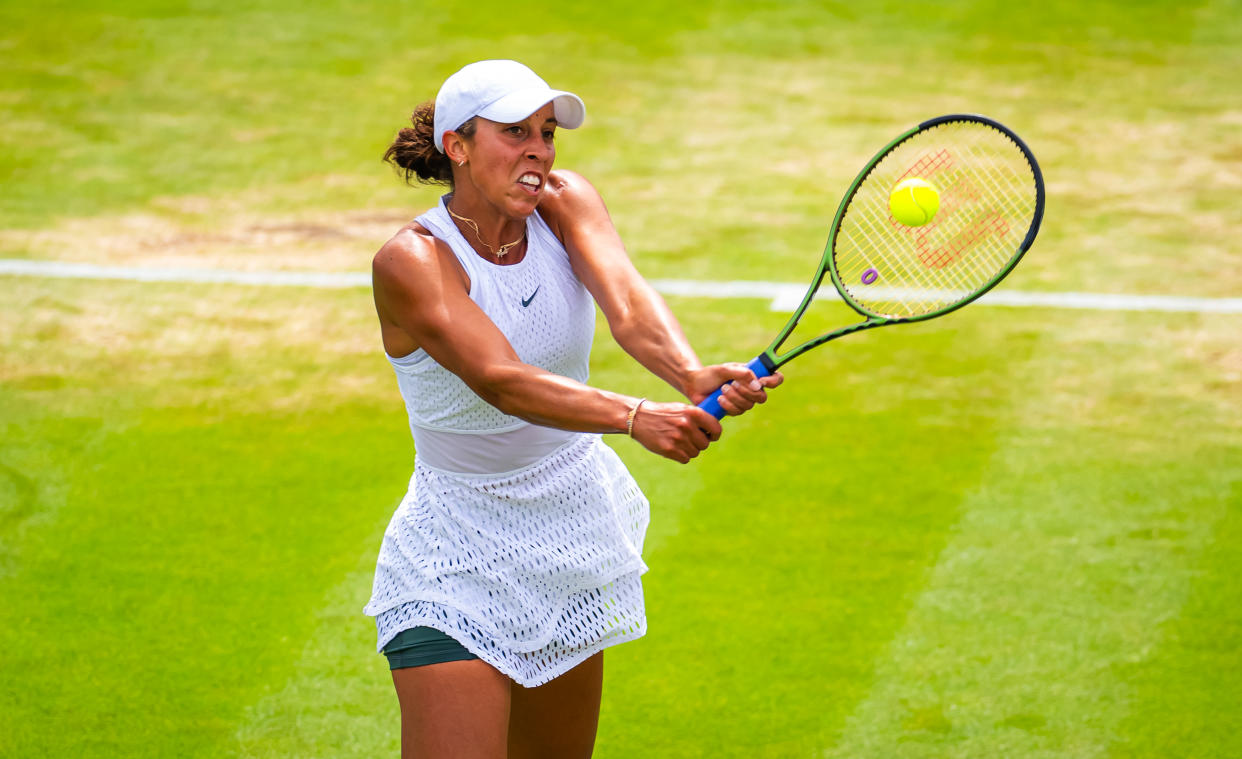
914	202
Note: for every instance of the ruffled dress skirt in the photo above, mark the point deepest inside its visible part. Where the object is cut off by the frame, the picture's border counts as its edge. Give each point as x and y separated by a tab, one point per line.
533	571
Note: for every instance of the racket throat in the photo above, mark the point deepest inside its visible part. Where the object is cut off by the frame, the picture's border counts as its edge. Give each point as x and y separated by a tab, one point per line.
762	365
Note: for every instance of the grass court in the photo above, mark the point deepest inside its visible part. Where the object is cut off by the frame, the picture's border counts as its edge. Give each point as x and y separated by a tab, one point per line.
1012	532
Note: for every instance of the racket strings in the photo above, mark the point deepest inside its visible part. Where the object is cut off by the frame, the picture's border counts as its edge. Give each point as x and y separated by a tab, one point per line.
992	258
870	228
987	204
929	267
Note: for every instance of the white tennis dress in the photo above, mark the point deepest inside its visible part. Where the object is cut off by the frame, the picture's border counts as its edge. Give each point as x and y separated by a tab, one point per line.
521	542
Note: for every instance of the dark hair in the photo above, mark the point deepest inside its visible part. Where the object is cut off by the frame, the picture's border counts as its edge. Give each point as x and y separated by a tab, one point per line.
414	150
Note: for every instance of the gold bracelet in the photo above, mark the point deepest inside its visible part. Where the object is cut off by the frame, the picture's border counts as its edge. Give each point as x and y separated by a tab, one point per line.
629	420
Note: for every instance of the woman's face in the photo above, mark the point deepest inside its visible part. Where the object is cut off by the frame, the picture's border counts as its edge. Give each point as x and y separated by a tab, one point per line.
509	163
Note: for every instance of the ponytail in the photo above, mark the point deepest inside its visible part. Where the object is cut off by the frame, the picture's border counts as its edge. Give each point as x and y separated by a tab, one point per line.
414	149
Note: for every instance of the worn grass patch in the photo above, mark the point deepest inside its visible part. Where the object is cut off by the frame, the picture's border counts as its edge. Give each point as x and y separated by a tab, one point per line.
722	145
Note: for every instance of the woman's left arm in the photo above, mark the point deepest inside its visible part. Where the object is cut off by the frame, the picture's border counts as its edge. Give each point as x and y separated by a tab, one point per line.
637	315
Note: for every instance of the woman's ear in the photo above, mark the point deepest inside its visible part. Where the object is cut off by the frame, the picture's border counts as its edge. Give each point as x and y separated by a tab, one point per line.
455	148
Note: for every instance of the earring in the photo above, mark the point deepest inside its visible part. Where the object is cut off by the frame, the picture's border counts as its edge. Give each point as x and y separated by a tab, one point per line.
462	162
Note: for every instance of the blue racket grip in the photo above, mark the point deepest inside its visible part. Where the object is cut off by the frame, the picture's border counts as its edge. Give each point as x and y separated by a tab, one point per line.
711	404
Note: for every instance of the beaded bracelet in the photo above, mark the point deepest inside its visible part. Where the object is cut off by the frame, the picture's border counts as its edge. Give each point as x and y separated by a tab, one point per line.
629	420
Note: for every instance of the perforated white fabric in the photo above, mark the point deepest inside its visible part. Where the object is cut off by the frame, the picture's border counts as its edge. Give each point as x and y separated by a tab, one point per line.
587	615
553	330
532	570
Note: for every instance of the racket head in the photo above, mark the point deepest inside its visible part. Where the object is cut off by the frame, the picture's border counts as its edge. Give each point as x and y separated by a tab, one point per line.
991	193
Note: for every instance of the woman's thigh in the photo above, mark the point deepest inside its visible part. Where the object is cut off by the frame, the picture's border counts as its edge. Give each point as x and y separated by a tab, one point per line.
455	708
557	720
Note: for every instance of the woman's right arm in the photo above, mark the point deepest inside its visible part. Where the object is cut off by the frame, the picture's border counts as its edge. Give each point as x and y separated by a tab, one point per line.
421	291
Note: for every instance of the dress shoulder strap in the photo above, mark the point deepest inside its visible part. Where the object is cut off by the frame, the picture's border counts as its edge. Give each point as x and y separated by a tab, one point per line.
544	238
440	224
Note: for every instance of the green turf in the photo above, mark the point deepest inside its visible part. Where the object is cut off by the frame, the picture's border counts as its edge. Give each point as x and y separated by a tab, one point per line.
1005	533
999	557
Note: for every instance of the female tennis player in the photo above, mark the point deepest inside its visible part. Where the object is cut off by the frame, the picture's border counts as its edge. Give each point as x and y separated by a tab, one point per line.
515	557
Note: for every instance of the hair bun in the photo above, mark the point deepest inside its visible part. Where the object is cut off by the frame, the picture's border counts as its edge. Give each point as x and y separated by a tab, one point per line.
414	149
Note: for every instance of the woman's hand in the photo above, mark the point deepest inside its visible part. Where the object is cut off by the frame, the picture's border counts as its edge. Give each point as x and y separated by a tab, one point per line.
674	430
679	431
741	391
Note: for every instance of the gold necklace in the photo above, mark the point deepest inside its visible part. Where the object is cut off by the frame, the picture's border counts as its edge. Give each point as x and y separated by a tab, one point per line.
497	253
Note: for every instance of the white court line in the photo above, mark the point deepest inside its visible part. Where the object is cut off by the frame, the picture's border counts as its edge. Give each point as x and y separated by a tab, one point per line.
784	296
781	296
68	270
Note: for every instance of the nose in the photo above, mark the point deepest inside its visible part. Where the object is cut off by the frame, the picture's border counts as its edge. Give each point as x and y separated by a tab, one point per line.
539	149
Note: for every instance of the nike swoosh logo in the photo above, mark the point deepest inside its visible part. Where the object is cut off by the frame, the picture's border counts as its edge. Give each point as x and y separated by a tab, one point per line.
526	302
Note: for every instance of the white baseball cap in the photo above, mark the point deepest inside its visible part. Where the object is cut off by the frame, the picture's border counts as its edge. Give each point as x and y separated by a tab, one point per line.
504	91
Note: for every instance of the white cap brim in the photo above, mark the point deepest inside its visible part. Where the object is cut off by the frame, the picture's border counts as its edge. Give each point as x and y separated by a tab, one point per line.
503	91
568	108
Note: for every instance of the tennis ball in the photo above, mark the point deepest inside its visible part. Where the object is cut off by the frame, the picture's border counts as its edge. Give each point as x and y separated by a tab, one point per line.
914	202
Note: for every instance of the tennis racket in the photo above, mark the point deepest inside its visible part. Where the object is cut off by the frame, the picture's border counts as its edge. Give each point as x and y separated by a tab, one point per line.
991	202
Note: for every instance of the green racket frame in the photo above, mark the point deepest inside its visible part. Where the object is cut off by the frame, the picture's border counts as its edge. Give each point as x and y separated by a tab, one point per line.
770	360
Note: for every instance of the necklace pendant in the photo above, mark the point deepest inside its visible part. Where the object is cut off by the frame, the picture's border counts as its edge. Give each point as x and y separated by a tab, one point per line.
499	254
